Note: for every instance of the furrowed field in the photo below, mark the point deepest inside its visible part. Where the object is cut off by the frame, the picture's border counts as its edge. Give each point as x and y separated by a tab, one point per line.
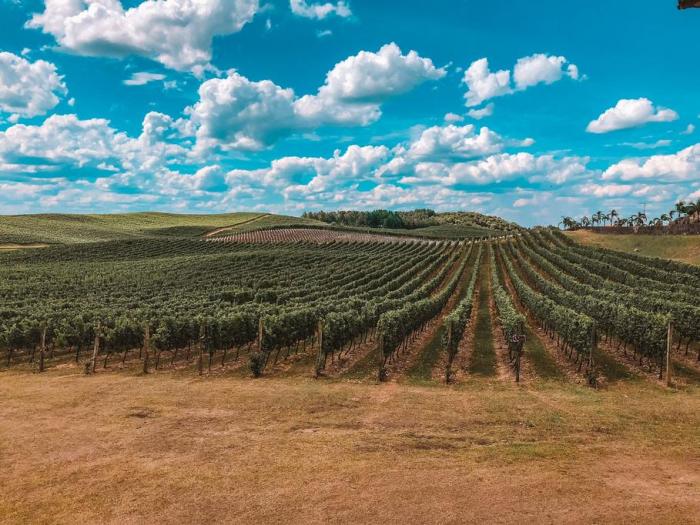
254	367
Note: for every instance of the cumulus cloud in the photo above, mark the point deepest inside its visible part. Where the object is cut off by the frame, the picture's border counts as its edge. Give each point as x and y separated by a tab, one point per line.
498	168
483	84
542	69
374	77
141	78
478	114
681	166
447	142
605	190
28	89
451	118
65	141
319	11
176	33
236	113
630	113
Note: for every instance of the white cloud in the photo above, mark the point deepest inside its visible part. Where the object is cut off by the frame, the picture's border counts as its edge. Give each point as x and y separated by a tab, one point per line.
60	140
478	114
236	113
681	166
176	33
141	78
689	130
375	77
324	33
483	84
320	11
648	145
453	117
605	190
498	168
452	141
65	141
537	69
630	113
28	89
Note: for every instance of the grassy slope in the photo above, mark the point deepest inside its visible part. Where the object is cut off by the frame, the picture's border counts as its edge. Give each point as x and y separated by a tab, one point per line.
166	448
67	229
26	229
678	247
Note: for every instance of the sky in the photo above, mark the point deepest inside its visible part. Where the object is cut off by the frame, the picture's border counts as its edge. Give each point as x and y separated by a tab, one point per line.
526	110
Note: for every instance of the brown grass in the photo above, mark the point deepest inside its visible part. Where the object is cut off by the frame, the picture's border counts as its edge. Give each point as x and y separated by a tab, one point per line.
684	248
124	448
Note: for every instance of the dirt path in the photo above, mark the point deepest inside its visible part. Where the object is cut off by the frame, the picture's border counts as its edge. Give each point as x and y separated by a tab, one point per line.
227	228
482	360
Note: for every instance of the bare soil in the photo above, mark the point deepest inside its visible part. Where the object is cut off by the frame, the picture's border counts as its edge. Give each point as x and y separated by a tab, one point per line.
163	448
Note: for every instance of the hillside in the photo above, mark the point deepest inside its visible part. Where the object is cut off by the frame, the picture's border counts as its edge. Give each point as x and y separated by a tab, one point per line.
677	247
420	222
68	229
19	231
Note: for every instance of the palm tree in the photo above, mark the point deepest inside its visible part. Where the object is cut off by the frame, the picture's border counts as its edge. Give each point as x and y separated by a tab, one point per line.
680	209
640	219
665	218
692	209
613	215
585	221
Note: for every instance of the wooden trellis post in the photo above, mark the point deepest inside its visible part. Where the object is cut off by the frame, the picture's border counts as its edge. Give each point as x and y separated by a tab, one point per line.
95	349
42	351
202	338
319	357
146	347
669	345
261	333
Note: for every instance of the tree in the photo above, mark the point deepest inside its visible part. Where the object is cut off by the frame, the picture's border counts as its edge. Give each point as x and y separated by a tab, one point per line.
613	215
665	218
680	209
688	4
585	222
640	219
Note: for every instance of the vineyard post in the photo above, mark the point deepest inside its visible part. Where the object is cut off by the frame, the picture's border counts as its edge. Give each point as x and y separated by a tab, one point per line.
448	370
669	344
319	358
95	349
261	331
146	347
381	360
593	345
42	352
200	359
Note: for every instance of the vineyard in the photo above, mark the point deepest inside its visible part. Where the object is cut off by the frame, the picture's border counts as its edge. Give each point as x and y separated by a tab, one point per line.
497	363
342	303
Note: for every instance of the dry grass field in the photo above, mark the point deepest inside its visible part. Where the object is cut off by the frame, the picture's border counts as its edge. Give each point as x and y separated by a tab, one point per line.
120	447
684	248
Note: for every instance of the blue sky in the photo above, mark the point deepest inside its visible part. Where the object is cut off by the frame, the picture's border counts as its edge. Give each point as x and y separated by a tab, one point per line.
529	111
